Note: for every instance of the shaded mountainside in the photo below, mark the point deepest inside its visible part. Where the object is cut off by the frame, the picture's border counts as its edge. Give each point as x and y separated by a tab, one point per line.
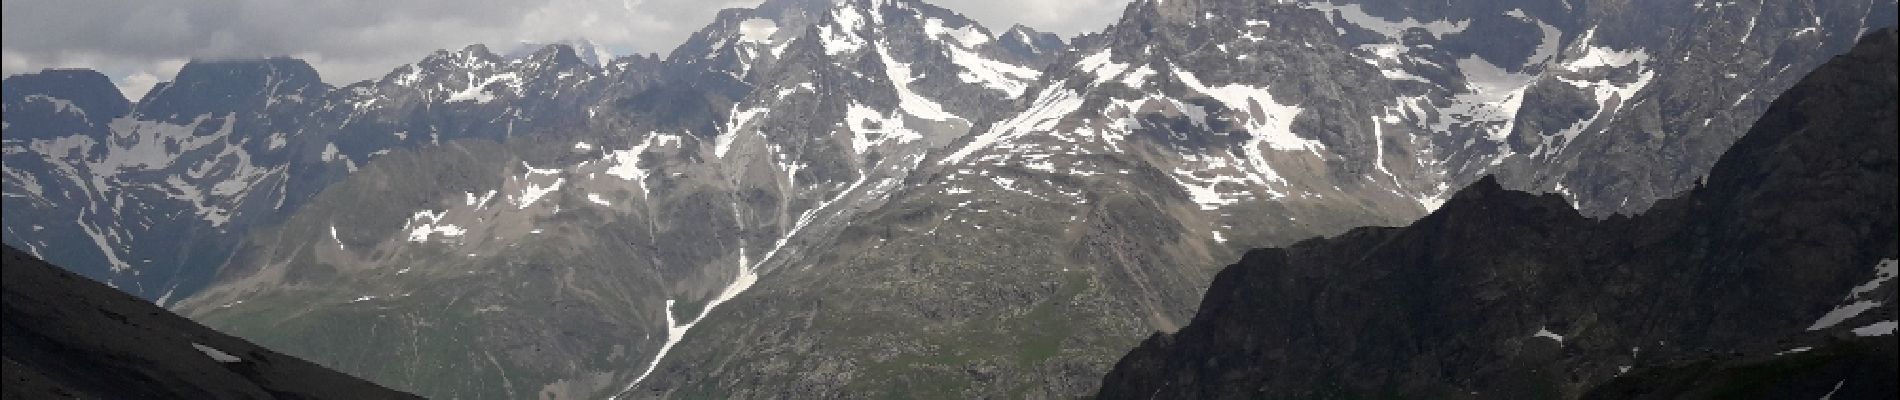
66	336
1774	279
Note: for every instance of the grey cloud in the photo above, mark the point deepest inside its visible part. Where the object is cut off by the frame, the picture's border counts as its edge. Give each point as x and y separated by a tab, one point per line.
350	40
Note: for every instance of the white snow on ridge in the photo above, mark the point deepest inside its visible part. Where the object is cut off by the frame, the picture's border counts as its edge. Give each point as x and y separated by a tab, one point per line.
478	92
966	36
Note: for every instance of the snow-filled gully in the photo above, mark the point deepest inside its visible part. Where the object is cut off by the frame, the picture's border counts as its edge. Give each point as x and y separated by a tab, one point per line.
748	275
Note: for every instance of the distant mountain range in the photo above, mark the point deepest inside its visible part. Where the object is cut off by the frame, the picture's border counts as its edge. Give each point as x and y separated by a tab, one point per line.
811	197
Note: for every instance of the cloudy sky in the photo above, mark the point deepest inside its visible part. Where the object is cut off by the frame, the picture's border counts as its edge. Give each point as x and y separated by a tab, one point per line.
140	43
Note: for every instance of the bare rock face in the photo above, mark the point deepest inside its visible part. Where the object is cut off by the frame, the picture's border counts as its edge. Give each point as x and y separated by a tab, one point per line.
1756	284
67	336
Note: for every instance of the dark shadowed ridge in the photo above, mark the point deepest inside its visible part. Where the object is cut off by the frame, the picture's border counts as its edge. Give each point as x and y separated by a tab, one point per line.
66	336
1719	293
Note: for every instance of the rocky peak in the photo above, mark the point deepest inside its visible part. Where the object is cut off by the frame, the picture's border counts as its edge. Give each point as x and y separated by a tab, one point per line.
469	57
557	55
219	87
584	50
1031	46
740	39
75	100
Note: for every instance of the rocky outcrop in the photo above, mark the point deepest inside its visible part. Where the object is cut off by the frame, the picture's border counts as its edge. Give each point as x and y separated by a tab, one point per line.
67	336
1787	251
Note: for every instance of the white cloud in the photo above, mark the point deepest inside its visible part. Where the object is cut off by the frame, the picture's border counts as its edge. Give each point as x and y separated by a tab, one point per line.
1064	17
351	40
135	85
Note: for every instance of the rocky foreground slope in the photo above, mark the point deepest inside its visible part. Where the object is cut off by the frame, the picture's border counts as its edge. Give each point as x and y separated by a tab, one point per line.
66	336
1772	280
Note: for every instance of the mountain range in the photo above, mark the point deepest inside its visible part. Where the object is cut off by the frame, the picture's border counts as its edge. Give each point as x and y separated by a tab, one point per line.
813	197
1772	279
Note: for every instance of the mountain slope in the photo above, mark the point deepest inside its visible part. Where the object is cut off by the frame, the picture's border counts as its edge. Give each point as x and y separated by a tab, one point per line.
1021	259
69	337
618	230
1504	294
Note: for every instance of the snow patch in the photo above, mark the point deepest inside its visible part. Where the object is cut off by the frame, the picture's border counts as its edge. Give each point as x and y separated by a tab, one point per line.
421	230
966	36
912	103
1882	328
625	164
1796	350
478	93
1858	300
215	354
1050	106
1546	333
